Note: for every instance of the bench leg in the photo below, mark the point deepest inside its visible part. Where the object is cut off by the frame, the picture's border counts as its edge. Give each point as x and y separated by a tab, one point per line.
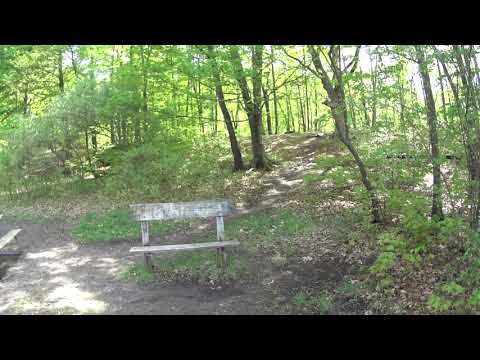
220	237
145	241
148	262
221	258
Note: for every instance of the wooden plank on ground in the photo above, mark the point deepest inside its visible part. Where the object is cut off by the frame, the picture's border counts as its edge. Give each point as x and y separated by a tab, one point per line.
9	237
153	249
10	253
182	210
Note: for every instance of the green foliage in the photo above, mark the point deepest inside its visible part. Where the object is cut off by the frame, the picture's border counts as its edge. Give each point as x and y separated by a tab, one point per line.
114	225
452	288
202	267
439	304
475	298
384	262
268	226
320	304
139	273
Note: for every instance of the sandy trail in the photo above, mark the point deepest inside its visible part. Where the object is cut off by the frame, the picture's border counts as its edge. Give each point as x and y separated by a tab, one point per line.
57	275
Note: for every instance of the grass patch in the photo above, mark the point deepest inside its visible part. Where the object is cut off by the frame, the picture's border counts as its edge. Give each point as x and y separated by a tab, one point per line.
116	225
320	304
29	216
349	288
198	267
202	267
269	225
139	273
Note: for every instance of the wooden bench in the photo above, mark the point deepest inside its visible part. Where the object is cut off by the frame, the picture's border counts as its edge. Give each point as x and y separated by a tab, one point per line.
169	211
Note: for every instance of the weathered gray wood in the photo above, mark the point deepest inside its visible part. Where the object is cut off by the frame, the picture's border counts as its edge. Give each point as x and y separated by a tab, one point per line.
153	249
9	237
221	260
11	253
220	229
194	209
145	241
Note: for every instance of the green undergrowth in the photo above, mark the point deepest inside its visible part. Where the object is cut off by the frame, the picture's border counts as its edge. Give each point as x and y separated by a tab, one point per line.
269	225
192	267
116	225
306	302
319	304
272	230
461	292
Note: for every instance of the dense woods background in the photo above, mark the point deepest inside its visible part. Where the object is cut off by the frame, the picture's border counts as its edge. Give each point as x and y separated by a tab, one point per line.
172	123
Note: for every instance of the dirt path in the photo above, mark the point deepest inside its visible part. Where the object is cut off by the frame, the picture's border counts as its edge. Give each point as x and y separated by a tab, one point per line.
57	275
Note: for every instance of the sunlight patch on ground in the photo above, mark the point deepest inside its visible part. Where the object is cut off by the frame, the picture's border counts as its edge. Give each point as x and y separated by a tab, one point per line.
344	204
428	180
68	295
290	183
273	192
20	302
52	253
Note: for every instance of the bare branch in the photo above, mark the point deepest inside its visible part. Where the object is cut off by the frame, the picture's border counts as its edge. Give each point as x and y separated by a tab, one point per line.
354	61
301	63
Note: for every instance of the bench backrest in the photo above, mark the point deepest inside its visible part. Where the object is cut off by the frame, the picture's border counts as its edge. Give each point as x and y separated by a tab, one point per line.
182	210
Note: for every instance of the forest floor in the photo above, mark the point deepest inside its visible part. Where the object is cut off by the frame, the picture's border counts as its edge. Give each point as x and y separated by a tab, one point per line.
58	275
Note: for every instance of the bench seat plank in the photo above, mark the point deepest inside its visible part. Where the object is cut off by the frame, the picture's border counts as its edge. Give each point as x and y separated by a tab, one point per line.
9	237
152	249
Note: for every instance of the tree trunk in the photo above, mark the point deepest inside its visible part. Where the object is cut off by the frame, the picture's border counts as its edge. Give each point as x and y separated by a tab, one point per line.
302	109
234	146
145	63
267	109
336	102
364	104
61	82
252	103
374	91
470	131
307	105
25	100
437	212
274	92
442	92
289	113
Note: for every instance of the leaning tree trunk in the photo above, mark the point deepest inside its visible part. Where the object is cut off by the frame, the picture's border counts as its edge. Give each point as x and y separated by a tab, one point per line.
237	154
342	130
337	104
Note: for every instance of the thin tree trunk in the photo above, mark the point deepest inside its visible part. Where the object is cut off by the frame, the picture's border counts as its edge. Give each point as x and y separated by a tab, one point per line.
374	91
302	112
289	113
267	109
61	82
442	93
25	100
145	64
274	92
234	146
